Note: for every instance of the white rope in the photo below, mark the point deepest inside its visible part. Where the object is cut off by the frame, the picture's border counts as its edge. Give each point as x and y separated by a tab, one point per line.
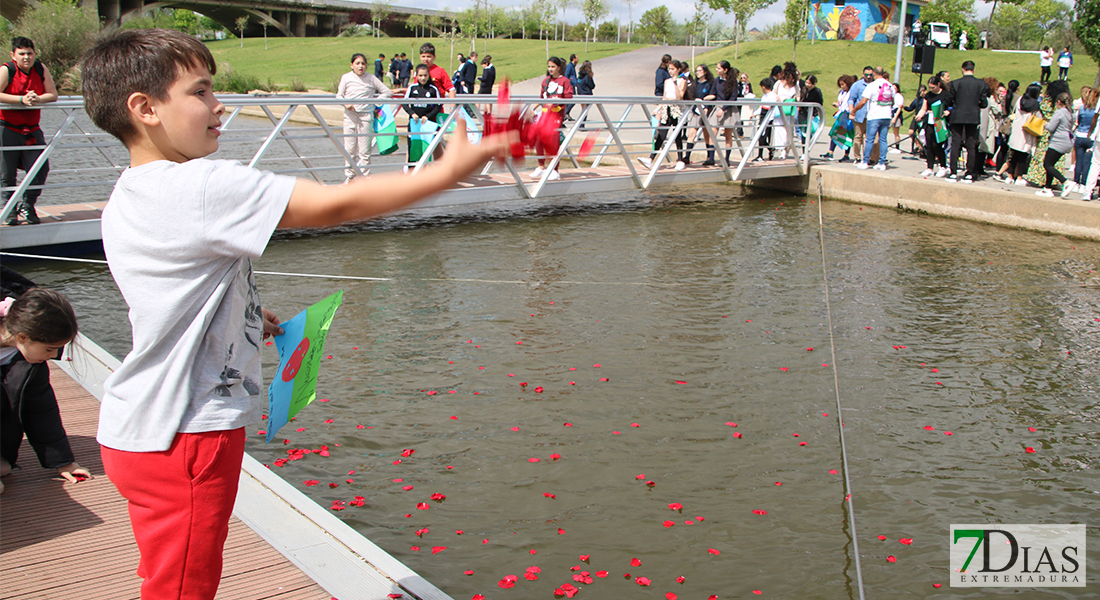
836	387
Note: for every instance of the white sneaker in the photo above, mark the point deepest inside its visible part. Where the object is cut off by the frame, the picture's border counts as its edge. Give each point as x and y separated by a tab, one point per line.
536	173
1046	193
1021	182
782	155
942	172
861	165
1010	181
1086	194
895	151
927	173
880	167
553	176
1068	187
645	162
680	166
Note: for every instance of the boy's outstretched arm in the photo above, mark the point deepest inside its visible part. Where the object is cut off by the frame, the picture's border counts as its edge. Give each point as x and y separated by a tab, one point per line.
315	205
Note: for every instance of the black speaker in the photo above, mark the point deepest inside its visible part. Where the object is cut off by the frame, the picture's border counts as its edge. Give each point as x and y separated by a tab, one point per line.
924	59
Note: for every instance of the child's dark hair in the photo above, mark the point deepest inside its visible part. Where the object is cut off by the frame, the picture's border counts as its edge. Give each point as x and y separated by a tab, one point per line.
428	48
488	60
136	60
423	67
42	315
358	55
20	42
731	77
767	83
559	62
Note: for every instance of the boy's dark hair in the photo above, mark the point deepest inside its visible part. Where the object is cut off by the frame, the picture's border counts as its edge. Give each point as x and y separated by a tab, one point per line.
968	65
381	56
487	60
136	60
428	48
767	83
21	42
42	315
424	67
402	55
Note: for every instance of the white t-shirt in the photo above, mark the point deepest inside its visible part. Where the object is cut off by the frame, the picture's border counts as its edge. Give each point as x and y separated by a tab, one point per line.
1046	58
179	239
875	108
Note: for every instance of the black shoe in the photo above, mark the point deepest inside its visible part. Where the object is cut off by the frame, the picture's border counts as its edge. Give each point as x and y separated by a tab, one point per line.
28	213
845	158
708	162
13	217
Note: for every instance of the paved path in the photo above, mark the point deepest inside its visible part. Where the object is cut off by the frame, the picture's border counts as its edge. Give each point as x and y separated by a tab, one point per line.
629	74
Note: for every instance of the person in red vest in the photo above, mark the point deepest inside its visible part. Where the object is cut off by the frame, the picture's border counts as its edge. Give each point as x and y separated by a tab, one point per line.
24	80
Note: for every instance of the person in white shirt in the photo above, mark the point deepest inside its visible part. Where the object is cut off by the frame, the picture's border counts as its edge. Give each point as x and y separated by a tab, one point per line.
879	99
1046	59
357	84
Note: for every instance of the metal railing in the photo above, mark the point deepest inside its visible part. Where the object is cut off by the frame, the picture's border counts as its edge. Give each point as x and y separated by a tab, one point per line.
282	143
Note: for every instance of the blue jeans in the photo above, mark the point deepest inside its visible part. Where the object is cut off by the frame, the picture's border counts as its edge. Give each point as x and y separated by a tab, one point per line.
876	127
1082	148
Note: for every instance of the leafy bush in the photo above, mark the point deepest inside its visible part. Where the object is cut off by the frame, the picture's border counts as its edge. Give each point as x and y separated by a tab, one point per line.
297	85
61	32
228	80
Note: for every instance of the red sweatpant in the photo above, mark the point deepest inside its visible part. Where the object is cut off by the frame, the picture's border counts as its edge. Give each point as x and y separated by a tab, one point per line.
180	501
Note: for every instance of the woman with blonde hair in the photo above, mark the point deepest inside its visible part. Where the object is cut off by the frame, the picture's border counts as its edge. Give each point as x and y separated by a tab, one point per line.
1083	146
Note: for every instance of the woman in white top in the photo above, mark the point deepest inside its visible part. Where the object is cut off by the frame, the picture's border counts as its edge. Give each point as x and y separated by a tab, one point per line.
359	118
786	90
1046	59
669	115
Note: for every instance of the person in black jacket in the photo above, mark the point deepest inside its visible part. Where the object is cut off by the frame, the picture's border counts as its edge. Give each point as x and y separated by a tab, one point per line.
404	71
488	75
422	111
968	96
34	328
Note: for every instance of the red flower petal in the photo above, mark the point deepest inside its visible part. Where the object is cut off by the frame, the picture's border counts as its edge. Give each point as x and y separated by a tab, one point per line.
1030	450
676	506
882	538
604	379
642	581
731	423
468	572
935	370
802	443
561	531
670	596
415	548
809	349
651	483
640	476
833	471
779	483
438	497
438	549
407	488
669	523
549	495
596	366
635	425
616	433
585	557
529	576
422	506
929	428
737	434
533	460
601	574
507	583
555	456
567	424
759	511
515	429
757	592
682	382
892	559
1032	429
538	390
948	433
937	585
680	579
477	597
634	562
459	532
454	417
906	541
700	519
713	551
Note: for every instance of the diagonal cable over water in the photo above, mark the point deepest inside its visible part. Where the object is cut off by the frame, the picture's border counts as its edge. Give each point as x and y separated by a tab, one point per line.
836	387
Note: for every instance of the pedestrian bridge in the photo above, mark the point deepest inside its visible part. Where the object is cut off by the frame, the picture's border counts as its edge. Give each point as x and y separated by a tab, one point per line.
289	135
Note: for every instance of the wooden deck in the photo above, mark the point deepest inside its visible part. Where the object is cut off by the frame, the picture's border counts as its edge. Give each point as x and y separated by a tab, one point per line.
68	541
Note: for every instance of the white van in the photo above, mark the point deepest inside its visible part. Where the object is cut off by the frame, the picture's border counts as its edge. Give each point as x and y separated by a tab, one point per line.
939	34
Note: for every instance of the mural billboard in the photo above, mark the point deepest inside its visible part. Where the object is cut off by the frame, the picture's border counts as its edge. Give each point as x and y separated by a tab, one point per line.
862	21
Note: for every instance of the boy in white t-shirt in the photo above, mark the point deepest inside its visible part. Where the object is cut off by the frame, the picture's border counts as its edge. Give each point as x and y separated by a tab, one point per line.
179	233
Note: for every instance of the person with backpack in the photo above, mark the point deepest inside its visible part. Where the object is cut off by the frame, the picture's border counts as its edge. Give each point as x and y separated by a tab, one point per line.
878	97
24	80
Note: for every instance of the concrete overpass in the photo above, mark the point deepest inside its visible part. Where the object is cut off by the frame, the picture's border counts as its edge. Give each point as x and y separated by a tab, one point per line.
288	18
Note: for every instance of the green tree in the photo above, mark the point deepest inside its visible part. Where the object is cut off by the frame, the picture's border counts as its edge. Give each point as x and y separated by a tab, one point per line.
992	11
61	31
1086	24
656	24
593	11
379	11
1007	31
416	24
697	25
630	17
240	24
1045	17
607	31
186	21
956	13
794	27
742	11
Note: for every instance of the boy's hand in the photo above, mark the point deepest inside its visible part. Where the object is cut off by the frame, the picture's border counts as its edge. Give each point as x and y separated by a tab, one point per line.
74	472
463	158
271	324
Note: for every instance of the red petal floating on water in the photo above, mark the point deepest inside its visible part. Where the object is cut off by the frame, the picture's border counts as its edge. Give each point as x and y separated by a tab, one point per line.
642	581
533	460
519	343
454	417
670	596
469	572
1032	429
407	452
669	523
572	383
529	576
422	506
432	392
759	511
328	420
311	482
832	471
408	516
783	368
737	434
757	592
511	374
634	562
795	434
507	583
935	370
360	426
626	575
421	532
802	443
892	559
1030	450
597	365
538	390
882	538
601	574
585	557
682	382
779	483
438	549
731	423
515	429
809	349
948	433
523	384
438	497
333	485
561	531
680	579
713	551
300	429
906	541
928	428
604	379
635	425
616	433
407	488
555	456
640	476
567	424
399	480
455	391
937	585
700	519
572	368
824	414
477	597
549	495
269	343
485	541
533	551
414	548
651	483
689	522
676	506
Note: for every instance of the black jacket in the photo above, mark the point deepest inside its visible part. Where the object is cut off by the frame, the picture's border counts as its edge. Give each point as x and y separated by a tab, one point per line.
468	74
28	405
423	109
968	96
487	79
585	85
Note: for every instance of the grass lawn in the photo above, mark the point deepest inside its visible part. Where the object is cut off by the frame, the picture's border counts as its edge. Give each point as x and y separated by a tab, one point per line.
831	59
319	62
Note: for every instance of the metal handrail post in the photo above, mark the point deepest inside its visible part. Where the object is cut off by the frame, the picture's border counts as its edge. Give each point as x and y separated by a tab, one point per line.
664	151
622	147
562	149
437	139
752	146
713	136
293	146
336	141
610	137
36	167
232	117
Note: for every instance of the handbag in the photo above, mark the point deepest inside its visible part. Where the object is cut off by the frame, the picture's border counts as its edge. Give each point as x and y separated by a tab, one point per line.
1035	124
1006	125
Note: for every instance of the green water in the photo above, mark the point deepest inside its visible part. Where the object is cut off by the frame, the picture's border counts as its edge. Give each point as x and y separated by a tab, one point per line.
700	306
